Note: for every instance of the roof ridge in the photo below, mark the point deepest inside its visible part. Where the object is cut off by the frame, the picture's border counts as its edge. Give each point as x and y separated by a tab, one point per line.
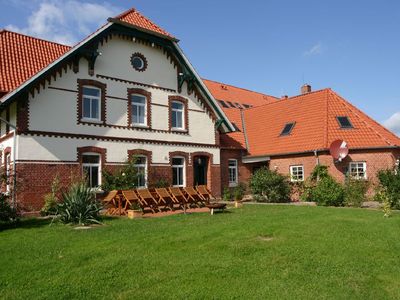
360	114
239	87
124	13
34	37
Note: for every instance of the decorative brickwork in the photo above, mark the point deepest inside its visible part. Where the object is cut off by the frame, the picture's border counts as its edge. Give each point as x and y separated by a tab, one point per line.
23	115
103	109
143	58
148	107
93	149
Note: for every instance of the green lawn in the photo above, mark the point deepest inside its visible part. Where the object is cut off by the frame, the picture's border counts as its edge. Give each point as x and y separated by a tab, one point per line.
253	252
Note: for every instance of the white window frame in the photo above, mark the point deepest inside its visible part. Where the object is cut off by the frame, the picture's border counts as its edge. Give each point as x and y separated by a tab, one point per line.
98	98
183	171
356	176
7	162
176	110
92	165
233	169
139	105
295	177
142	166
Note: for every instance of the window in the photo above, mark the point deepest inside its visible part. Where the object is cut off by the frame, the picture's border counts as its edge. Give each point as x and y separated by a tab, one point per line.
223	103
139	62
238	105
178	171
358	170
296	173
91	169
177	111
247	105
288	128
139	111
344	122
231	104
8	171
91	97
141	167
232	172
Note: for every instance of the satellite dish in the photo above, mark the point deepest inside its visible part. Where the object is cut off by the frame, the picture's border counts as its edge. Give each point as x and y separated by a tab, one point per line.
339	150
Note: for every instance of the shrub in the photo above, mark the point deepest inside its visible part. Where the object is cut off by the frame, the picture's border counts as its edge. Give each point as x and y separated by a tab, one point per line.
355	192
238	191
227	194
7	213
51	199
271	185
390	181
160	183
124	178
327	192
79	205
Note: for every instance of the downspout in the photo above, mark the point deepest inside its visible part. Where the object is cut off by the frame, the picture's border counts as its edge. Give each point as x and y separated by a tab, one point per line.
317	157
244	130
14	151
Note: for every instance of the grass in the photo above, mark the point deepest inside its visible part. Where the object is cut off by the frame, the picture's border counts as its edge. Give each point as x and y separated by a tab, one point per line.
255	252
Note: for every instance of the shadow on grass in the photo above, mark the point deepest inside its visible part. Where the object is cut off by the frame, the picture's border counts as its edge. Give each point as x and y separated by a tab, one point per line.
26	223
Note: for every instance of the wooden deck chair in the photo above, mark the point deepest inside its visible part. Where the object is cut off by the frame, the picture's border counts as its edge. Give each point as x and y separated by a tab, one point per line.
146	197
168	199
130	198
177	194
196	198
203	191
109	201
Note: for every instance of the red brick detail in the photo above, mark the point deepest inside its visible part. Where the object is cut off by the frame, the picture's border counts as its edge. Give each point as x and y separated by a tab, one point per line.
103	109
185	102
92	149
148	106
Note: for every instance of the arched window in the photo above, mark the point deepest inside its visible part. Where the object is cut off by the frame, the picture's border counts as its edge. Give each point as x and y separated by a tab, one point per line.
178	171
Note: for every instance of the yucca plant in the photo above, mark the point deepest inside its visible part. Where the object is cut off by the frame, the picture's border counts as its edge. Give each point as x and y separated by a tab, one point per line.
79	206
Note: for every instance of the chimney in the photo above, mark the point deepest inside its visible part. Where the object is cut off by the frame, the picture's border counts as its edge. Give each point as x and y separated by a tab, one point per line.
284	97
305	89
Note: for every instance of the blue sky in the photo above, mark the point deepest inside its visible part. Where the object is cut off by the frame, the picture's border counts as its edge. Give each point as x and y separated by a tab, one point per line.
267	46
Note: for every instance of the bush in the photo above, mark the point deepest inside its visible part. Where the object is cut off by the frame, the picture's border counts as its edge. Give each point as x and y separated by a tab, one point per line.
355	192
389	180
270	186
238	191
51	199
124	178
79	205
160	183
227	194
327	192
7	213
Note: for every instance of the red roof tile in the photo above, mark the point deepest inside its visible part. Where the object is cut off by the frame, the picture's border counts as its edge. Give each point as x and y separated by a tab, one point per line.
23	56
133	17
316	125
233	94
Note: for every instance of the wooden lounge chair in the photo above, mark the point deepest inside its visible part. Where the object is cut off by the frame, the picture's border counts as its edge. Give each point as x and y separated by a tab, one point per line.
168	199
130	198
146	197
177	194
195	197
110	201
203	191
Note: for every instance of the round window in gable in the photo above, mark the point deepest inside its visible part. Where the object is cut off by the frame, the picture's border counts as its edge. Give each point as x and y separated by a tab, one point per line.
139	62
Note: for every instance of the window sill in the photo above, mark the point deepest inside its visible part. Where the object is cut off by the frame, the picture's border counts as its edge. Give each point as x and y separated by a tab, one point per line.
140	126
94	121
178	130
233	184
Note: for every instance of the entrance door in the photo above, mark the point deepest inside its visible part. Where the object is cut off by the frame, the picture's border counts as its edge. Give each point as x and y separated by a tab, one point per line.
200	164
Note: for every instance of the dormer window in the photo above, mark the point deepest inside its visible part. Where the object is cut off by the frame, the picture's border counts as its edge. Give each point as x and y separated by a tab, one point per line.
288	128
344	122
91	97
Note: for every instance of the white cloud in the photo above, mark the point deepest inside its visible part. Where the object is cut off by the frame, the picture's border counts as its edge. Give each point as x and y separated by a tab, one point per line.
66	22
314	50
393	123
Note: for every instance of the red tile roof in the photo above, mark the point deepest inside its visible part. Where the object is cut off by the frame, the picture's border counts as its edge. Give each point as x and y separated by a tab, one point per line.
135	18
233	94
23	56
316	125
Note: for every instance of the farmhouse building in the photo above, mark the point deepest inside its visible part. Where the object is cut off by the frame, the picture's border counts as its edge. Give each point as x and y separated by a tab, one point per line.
128	90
